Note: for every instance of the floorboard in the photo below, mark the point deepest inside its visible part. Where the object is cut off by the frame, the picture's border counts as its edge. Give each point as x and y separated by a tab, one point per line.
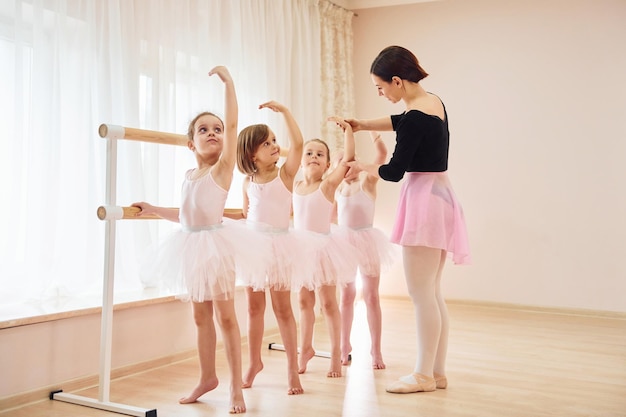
501	362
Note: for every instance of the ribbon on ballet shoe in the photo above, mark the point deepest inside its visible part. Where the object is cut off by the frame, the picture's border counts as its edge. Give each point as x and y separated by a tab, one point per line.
442	381
422	383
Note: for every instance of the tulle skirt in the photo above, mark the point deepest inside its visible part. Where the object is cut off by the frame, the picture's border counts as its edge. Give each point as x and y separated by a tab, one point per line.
289	250
333	261
374	250
203	264
429	214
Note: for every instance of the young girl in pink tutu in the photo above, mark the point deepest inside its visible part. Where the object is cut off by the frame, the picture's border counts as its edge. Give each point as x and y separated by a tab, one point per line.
355	202
429	221
333	262
201	260
267	193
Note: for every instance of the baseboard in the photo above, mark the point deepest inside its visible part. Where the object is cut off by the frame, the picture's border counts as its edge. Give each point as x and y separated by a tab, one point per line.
40	394
618	315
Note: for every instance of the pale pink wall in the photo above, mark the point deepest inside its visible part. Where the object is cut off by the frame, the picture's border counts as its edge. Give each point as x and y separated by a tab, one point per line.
536	97
39	355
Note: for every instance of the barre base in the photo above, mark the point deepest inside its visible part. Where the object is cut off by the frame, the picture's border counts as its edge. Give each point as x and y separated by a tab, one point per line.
103	405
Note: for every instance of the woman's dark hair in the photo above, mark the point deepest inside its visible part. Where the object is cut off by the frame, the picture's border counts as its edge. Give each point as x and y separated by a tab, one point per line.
397	61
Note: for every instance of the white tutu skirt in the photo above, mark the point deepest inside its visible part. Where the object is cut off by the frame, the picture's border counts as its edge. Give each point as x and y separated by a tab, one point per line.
203	264
288	249
374	250
333	261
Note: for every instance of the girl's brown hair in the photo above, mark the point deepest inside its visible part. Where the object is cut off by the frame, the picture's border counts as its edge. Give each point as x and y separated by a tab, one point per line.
248	142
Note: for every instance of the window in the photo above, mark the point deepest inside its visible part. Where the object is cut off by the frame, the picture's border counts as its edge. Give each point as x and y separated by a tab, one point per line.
69	66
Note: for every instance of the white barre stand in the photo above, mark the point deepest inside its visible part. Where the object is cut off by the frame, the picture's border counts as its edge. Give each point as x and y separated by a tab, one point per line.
112	133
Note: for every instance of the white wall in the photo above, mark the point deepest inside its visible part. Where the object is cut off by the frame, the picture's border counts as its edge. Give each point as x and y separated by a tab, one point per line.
536	98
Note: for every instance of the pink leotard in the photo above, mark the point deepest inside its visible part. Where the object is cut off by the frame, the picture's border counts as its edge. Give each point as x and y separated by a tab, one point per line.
312	212
269	203
202	203
355	211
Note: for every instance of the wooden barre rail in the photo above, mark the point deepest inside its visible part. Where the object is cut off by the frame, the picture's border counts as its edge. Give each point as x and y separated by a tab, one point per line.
120	132
129	213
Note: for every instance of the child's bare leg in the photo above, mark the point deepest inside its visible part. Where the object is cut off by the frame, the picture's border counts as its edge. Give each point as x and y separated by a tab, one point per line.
348	294
281	303
203	317
307	323
374	318
328	300
256	327
227	320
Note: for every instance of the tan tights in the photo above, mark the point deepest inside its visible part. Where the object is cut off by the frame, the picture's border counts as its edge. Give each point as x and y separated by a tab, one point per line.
422	269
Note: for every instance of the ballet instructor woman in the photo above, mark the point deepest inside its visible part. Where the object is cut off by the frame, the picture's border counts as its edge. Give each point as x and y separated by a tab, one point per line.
429	220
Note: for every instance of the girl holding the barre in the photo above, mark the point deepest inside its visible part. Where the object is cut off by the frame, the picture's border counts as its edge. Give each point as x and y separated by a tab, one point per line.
200	261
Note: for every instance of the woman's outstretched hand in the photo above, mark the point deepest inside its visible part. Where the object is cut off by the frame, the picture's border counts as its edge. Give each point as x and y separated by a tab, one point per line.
355	124
354	168
341	122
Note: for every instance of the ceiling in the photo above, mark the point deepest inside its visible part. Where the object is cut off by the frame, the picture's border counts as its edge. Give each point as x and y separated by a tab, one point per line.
367	4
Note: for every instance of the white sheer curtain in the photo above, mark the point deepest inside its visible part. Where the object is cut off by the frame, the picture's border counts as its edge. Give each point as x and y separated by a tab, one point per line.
70	65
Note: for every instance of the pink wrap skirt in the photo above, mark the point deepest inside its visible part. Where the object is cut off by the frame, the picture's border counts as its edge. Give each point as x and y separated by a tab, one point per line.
429	214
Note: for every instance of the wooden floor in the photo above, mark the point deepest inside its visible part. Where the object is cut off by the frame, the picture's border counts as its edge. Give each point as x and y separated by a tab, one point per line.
501	362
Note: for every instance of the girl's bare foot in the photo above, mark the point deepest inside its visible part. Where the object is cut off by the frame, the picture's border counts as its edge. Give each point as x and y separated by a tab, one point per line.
249	376
295	391
237	404
295	387
335	367
237	409
303	360
202	388
333	374
377	361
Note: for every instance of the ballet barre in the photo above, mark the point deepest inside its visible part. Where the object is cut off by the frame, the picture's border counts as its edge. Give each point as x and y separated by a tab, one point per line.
119	213
130	213
119	132
111	212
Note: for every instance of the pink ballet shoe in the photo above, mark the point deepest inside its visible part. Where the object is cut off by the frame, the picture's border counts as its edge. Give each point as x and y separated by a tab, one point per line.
424	384
441	381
